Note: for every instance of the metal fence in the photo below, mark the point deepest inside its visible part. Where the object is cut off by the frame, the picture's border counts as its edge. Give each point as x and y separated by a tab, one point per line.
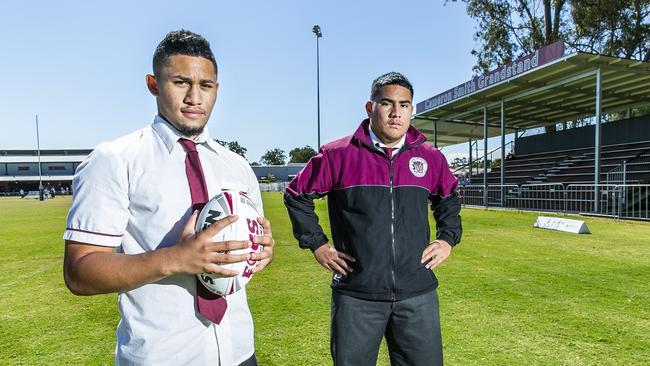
626	201
631	171
541	197
633	201
273	187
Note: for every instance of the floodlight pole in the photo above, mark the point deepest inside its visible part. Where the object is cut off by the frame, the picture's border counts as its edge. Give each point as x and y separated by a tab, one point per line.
317	32
40	173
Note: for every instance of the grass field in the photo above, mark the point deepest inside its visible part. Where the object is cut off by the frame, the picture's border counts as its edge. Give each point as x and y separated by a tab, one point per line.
510	294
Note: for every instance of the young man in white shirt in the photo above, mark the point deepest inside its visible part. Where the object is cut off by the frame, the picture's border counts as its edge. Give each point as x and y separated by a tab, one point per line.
130	228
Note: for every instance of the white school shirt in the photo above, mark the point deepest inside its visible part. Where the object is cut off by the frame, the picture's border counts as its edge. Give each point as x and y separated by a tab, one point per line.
376	142
133	194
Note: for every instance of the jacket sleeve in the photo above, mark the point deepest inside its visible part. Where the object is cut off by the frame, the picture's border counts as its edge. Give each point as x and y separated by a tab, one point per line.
445	204
313	181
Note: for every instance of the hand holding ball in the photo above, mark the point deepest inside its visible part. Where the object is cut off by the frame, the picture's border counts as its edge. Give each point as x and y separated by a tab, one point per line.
245	228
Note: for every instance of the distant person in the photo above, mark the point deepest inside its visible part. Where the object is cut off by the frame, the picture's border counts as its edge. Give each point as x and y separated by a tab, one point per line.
380	182
22	193
130	228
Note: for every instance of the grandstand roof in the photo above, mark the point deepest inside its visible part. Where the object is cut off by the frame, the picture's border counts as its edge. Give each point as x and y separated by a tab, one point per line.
563	88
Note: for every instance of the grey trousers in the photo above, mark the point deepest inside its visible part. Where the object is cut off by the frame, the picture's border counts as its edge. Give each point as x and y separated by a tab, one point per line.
411	328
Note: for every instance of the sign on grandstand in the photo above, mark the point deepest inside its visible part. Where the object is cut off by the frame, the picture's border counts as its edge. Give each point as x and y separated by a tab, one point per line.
556	223
514	68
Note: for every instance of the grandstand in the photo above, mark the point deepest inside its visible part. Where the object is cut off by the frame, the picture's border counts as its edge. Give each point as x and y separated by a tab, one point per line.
559	157
19	170
599	169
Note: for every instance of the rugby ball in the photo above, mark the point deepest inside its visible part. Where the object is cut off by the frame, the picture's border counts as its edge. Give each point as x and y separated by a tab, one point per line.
245	228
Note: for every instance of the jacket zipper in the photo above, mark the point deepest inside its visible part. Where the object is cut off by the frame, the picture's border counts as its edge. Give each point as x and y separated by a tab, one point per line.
392	226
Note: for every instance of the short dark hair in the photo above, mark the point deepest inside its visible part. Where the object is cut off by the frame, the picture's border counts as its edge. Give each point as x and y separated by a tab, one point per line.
389	78
182	42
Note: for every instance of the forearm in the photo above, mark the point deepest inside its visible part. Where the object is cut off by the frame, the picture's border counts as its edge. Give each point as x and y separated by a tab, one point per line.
304	220
448	221
100	272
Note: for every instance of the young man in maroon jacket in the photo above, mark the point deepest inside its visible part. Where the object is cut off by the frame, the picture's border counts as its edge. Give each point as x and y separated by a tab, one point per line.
380	182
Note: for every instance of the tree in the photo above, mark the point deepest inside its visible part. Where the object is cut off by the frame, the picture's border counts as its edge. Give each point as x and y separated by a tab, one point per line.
233	146
274	157
496	163
458	162
301	154
509	29
618	28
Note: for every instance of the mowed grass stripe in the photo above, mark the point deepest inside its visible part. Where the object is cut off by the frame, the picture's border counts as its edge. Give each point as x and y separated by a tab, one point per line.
510	294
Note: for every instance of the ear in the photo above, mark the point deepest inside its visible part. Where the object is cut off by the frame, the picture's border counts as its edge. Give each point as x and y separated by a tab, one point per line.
369	107
152	85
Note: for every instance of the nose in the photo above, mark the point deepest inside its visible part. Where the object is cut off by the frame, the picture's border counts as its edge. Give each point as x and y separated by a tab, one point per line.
193	96
395	111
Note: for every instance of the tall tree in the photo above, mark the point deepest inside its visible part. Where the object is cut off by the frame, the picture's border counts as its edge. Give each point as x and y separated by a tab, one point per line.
234	146
508	29
301	154
274	157
612	27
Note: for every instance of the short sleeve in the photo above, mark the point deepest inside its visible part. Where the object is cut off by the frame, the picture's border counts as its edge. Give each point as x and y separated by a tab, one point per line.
254	191
100	206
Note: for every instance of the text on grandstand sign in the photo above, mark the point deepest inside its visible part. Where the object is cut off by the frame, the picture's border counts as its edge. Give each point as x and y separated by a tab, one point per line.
519	66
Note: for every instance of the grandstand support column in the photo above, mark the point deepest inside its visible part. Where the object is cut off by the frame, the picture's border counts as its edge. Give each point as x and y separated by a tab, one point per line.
470	159
435	134
597	134
503	153
485	158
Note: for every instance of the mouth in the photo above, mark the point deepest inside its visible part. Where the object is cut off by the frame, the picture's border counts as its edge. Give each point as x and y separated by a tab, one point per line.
192	113
394	125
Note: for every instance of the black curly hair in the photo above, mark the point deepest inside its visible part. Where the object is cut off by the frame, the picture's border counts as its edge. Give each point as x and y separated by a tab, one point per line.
182	42
389	78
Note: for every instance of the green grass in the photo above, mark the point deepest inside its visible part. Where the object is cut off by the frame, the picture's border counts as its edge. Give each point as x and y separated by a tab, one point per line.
510	294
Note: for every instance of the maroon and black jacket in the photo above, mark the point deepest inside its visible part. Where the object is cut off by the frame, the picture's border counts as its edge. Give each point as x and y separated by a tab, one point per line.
378	210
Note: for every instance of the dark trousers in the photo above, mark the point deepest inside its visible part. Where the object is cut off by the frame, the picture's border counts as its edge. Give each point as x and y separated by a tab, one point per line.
251	361
411	328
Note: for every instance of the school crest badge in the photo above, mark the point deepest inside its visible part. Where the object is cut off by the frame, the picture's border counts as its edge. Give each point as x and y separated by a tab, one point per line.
418	167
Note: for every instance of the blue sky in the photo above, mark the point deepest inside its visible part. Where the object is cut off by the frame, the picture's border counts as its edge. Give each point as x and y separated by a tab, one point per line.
81	65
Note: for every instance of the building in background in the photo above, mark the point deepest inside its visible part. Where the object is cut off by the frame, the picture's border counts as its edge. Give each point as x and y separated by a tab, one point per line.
19	170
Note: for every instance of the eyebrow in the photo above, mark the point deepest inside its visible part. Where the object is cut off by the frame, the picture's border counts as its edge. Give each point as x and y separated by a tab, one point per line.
185	78
392	101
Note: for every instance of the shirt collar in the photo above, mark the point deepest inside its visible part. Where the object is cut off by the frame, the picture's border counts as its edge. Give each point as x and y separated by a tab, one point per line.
170	135
376	142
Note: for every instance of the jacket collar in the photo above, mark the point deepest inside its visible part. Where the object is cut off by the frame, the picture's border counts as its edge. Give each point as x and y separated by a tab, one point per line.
413	136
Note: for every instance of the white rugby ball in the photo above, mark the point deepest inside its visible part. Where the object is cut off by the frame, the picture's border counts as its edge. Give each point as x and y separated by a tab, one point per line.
245	228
